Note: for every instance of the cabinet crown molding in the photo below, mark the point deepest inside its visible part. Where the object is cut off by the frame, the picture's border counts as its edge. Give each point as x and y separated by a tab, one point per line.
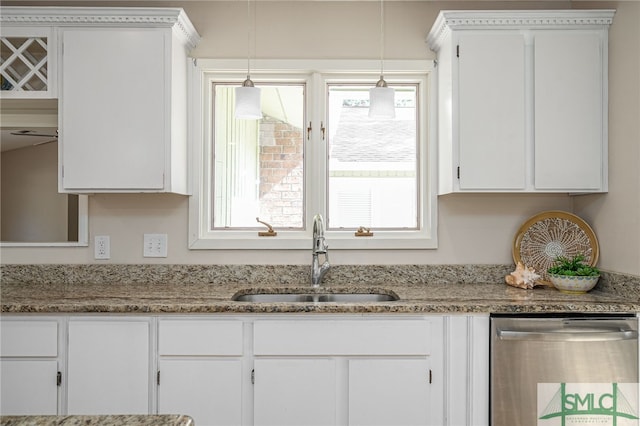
515	19
103	16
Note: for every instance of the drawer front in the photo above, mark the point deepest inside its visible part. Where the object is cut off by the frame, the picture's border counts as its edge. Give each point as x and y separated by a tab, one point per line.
342	337
200	337
25	338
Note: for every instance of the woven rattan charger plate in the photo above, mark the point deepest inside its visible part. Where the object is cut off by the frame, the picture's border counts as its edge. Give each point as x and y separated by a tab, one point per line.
547	235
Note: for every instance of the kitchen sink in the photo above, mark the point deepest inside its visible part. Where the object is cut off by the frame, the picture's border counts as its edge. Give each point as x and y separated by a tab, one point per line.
314	297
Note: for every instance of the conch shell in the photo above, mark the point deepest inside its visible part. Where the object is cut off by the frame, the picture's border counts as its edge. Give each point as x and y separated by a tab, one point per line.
522	277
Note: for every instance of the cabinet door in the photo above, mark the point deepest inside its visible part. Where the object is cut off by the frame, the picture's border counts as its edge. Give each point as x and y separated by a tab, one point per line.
28	387
569	102
388	392
112	109
295	392
108	366
491	111
208	390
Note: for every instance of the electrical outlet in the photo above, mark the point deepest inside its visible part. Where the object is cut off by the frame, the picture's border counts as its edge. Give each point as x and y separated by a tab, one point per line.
102	247
155	245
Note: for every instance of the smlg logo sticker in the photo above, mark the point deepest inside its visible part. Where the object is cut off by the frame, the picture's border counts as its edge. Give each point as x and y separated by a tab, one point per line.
601	404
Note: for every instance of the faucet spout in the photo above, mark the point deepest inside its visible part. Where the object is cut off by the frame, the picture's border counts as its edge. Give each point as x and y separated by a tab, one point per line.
320	247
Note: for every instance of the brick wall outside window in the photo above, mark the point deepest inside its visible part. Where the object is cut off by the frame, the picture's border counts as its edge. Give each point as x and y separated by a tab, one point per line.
281	173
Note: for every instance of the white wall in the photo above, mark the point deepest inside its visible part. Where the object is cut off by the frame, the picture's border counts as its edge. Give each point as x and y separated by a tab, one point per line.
475	229
32	209
615	217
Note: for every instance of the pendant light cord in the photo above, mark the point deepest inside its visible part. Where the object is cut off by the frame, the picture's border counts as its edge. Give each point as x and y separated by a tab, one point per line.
248	39
381	38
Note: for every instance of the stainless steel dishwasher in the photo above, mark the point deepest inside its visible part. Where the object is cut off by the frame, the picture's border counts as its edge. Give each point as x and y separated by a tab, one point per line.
555	370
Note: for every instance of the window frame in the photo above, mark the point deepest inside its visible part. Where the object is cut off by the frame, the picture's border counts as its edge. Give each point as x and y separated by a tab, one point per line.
315	74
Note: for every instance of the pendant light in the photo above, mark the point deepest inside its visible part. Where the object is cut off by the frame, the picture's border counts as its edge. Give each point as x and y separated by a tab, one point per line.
381	97
248	96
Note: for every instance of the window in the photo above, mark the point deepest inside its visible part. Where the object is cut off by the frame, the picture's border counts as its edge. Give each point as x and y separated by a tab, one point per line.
373	163
258	166
314	151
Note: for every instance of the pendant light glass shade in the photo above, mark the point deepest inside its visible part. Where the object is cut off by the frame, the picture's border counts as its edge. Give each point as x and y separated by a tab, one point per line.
248	101
248	105
382	101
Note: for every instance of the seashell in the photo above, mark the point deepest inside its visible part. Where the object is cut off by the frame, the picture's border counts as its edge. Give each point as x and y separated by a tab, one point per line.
522	277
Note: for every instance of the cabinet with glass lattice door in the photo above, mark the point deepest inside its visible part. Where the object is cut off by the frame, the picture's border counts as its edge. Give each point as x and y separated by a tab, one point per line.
27	62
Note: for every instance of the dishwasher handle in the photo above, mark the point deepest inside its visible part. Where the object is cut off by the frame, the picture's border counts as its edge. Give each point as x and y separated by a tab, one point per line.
569	335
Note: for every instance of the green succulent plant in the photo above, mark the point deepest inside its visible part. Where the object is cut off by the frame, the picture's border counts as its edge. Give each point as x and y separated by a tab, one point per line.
573	267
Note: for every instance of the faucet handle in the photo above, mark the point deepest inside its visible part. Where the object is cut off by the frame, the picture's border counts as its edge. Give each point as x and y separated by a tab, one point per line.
320	245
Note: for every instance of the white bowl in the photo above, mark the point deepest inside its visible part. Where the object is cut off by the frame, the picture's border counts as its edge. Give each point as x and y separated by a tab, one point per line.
573	284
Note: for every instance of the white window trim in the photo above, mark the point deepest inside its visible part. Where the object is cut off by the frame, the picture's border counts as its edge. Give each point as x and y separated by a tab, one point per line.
205	71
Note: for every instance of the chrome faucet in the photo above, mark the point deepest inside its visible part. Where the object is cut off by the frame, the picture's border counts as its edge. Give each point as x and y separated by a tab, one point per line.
319	247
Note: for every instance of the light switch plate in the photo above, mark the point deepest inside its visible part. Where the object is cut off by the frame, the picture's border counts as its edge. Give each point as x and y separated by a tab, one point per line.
155	245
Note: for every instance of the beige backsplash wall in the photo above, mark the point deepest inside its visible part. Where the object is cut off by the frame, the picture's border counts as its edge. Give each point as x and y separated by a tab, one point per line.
616	215
476	229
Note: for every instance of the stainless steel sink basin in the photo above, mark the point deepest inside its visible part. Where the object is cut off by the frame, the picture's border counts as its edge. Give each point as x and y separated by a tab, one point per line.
314	297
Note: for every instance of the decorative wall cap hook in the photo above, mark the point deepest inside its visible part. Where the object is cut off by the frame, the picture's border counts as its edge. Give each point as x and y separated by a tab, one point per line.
269	232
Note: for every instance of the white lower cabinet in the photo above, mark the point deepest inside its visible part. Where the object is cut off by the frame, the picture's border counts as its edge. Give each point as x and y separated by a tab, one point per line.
389	392
208	390
362	372
28	387
302	370
109	365
29	366
200	369
294	392
320	392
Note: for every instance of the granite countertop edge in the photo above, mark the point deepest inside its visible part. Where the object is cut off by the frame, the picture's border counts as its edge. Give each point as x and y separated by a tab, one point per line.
167	298
98	420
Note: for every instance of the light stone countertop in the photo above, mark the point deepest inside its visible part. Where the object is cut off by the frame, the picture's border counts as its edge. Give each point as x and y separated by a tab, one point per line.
158	298
157	289
106	420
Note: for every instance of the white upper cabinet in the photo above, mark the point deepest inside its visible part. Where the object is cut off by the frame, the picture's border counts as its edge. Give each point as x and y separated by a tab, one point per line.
570	110
122	95
522	100
491	110
114	103
123	98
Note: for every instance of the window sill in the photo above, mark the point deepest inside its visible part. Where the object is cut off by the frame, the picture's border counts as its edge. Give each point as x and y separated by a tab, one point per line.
299	241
